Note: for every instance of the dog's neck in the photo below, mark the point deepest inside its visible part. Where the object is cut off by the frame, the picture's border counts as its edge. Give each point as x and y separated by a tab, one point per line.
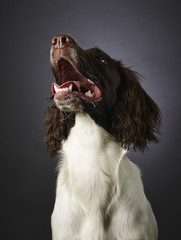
91	158
86	136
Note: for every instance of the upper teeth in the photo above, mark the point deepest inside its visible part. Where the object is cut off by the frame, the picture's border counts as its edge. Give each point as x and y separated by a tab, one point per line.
91	82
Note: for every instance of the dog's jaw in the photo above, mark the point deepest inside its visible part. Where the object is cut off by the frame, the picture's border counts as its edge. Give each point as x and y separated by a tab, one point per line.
72	89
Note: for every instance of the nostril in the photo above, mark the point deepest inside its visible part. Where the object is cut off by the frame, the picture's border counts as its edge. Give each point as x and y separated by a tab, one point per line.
54	41
64	40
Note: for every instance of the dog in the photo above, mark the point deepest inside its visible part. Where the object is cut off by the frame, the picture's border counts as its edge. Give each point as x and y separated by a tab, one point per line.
100	112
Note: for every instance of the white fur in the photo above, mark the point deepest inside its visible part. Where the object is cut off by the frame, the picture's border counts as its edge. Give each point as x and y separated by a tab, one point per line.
99	191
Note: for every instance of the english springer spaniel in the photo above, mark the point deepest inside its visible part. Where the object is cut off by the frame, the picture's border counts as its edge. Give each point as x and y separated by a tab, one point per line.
100	111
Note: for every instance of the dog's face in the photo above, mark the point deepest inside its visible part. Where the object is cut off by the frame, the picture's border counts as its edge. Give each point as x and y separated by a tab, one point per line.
92	82
86	80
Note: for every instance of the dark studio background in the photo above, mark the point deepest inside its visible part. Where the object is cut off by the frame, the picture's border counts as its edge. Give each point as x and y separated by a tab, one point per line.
145	35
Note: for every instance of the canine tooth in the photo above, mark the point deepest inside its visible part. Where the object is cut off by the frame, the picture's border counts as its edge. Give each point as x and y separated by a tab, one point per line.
70	87
56	89
91	82
89	94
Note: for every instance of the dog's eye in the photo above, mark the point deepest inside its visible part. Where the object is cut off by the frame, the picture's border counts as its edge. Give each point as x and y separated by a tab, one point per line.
101	59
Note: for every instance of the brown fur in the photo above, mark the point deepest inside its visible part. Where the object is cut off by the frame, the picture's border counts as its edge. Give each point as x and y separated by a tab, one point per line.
58	127
135	117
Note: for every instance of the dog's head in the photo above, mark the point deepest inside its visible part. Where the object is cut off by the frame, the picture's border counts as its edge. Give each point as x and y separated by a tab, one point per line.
90	81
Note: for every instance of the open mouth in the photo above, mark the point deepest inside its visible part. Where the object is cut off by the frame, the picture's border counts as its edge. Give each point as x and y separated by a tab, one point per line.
71	82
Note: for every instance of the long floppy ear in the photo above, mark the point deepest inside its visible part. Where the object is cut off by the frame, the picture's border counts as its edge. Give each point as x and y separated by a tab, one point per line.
58	127
136	117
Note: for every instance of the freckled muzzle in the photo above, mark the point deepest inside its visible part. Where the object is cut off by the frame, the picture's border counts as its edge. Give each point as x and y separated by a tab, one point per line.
70	81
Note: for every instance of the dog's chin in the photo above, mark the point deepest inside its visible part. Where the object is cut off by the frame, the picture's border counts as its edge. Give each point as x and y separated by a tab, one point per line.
76	95
73	103
69	104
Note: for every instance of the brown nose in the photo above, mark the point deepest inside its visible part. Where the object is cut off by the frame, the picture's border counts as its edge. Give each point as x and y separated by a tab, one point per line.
61	41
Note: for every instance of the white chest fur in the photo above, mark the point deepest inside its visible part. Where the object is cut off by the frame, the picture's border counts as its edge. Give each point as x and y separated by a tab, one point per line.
96	180
92	159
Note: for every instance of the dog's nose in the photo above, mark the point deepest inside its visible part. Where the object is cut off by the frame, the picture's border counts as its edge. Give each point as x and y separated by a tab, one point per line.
61	41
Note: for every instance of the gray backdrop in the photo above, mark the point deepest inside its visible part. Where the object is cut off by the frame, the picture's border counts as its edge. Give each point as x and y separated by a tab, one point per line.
143	34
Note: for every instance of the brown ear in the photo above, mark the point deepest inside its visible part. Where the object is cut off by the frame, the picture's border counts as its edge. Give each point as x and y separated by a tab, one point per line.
58	126
136	117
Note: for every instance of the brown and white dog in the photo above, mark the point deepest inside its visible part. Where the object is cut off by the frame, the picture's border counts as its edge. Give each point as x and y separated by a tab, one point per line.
100	110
